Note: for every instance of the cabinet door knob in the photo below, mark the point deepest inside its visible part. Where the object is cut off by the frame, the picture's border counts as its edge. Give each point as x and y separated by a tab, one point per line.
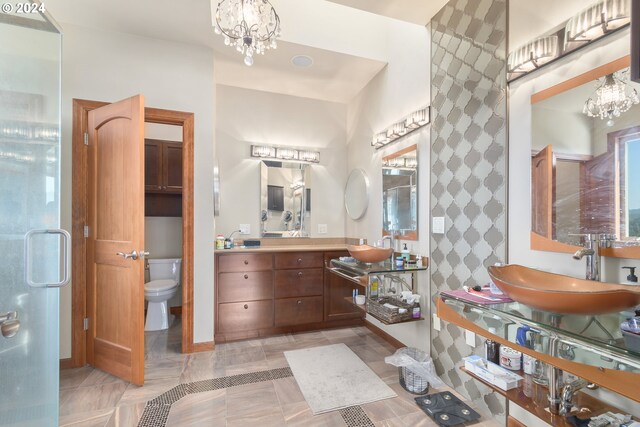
299	301
299	260
246	262
246	276
246	306
299	273
159	187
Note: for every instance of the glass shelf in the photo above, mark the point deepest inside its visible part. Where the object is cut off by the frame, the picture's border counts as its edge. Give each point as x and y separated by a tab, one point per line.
591	340
363	269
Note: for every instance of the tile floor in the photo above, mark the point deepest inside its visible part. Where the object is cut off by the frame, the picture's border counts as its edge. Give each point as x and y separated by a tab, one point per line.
90	397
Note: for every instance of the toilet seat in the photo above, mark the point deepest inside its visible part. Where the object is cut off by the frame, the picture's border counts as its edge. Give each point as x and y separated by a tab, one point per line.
160	285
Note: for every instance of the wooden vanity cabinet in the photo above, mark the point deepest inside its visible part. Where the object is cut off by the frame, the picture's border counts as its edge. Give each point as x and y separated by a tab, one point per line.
267	293
299	290
336	289
244	293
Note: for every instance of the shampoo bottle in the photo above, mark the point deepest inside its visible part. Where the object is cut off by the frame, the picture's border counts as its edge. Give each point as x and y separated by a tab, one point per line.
406	254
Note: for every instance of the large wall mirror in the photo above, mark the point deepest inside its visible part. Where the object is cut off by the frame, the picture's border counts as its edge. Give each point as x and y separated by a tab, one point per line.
400	194
285	199
585	162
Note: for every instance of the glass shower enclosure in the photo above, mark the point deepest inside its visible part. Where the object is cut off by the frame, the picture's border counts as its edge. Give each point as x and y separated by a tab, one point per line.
34	260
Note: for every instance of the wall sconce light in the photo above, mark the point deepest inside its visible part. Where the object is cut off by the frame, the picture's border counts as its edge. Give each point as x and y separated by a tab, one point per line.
285	153
413	121
533	55
401	163
597	20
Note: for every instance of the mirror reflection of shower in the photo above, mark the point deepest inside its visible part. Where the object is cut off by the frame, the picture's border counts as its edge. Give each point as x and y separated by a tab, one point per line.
285	197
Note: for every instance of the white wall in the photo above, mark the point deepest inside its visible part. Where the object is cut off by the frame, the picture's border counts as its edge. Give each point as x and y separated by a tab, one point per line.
108	66
520	168
245	117
400	88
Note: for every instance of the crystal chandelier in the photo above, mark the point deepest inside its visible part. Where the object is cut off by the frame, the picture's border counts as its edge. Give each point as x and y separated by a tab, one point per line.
611	99
251	25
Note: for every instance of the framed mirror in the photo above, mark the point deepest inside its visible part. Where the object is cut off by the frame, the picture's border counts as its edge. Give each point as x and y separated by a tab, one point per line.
285	199
400	194
356	194
585	174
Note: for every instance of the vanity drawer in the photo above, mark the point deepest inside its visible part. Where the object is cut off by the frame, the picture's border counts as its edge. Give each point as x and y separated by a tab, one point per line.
244	262
299	260
245	316
249	286
298	311
298	283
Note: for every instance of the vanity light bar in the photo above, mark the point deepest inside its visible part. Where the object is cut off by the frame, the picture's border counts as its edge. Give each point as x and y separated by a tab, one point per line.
413	121
533	55
597	20
285	153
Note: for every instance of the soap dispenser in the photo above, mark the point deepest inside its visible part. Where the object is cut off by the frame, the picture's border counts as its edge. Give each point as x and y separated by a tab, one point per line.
632	279
405	253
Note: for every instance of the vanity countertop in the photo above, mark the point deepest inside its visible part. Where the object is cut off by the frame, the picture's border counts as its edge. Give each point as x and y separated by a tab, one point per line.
284	248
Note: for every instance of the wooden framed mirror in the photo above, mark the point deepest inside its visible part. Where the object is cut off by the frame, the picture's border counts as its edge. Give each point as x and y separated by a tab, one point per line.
585	168
400	194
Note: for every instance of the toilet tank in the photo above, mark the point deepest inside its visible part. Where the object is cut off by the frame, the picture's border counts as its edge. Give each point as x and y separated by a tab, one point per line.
165	269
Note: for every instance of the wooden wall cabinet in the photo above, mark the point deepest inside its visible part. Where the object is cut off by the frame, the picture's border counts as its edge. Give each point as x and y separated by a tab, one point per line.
162	166
262	294
163	178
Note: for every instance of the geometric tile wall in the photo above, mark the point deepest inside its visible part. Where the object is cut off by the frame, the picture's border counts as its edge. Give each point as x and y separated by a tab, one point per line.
468	167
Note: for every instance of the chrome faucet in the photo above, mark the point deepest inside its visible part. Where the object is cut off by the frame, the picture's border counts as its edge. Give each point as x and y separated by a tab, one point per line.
566	395
591	252
392	244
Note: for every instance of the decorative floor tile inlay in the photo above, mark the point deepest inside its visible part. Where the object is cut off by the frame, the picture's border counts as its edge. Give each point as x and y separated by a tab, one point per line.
156	411
355	416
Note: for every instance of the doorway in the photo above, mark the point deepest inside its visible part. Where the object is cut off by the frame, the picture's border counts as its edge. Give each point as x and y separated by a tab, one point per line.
185	120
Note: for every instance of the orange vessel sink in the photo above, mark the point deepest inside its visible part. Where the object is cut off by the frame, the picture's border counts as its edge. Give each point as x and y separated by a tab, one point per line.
562	294
370	254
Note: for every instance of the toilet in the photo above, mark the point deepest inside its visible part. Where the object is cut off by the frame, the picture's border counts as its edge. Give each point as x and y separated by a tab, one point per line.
165	277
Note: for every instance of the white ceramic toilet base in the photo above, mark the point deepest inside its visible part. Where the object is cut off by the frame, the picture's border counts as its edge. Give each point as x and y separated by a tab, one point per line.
158	317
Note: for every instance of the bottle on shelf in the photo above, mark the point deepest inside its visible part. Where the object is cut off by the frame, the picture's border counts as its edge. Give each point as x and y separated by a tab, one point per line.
492	349
405	253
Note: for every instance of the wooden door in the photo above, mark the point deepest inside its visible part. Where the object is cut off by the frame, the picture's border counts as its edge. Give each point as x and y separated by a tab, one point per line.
543	193
599	209
115	285
336	289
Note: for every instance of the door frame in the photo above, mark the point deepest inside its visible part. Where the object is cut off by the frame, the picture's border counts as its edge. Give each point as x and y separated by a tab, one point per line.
81	108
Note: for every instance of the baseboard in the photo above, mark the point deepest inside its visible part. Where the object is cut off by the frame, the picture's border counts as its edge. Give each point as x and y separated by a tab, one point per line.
66	363
176	311
385	336
202	346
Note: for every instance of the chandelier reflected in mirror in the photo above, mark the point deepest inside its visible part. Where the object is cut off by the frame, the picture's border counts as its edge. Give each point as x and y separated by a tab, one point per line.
252	26
612	98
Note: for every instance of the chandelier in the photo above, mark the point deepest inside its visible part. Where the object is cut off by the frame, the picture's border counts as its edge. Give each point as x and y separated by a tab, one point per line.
612	98
252	26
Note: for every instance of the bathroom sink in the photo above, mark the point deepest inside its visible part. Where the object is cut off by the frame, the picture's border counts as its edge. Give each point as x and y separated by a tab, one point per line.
562	294
370	254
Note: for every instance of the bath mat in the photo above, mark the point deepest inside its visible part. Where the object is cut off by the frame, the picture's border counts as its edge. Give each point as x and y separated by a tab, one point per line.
333	377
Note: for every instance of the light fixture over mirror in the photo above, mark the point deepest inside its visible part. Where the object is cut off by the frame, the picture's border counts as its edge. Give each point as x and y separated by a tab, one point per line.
597	20
533	55
252	26
285	154
412	122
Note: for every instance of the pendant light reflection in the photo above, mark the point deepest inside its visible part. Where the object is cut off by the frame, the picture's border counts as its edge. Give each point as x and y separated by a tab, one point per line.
612	98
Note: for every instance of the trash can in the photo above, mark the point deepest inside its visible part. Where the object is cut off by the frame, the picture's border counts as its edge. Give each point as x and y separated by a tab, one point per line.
410	380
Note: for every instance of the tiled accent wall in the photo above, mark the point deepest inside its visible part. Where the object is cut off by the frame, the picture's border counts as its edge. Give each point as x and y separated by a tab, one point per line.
468	167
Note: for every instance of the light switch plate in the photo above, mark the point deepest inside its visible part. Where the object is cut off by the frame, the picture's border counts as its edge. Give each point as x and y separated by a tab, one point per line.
437	225
470	338
322	228
436	322
245	228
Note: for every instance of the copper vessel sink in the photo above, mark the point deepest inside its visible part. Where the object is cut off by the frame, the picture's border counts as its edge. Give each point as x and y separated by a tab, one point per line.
369	254
562	294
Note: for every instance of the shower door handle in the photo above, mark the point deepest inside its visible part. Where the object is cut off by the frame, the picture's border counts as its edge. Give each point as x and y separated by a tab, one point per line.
65	258
9	324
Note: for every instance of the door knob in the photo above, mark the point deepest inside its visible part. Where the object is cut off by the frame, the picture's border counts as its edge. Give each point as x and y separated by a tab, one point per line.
9	324
144	254
133	255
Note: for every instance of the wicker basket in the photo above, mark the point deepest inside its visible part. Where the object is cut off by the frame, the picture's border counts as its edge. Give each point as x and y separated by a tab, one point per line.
390	315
